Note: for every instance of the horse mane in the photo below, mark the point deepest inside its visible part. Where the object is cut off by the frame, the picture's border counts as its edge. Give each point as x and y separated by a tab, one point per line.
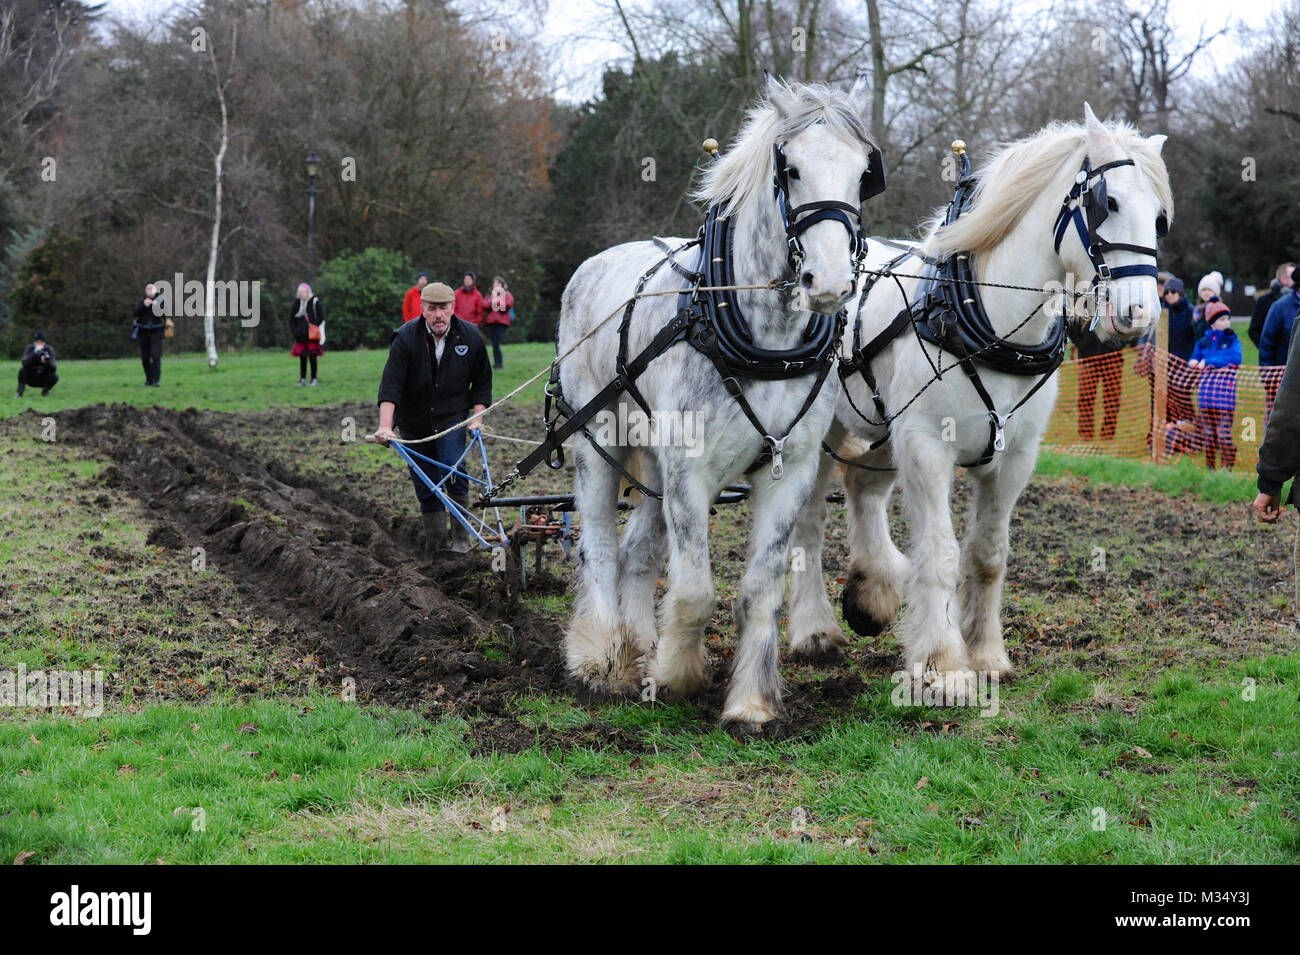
745	170
1019	173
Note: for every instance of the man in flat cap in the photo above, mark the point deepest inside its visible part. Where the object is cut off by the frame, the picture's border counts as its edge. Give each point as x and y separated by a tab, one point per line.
437	375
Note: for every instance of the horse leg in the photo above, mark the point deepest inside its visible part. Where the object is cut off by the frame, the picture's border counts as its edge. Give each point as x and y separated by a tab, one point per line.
877	568
815	633
754	694
984	562
680	662
596	652
640	559
932	643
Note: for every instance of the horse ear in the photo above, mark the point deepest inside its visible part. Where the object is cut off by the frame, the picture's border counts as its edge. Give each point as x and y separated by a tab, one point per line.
1090	119
1157	142
779	95
860	94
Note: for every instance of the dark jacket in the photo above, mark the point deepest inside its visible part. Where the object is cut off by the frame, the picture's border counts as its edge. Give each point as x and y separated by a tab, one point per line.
35	370
1260	312
463	377
1089	345
315	314
146	319
1279	455
1275	339
1181	337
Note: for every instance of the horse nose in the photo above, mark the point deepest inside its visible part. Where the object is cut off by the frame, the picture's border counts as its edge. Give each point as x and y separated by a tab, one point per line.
1136	317
809	281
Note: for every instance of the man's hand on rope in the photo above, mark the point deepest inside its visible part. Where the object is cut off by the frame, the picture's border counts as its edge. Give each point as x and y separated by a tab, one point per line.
382	436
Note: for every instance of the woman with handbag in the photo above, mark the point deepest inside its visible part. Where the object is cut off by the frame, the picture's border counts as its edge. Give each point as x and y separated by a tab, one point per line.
307	323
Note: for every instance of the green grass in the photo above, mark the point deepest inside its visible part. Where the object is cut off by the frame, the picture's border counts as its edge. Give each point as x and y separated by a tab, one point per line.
1201	774
245	382
1187	476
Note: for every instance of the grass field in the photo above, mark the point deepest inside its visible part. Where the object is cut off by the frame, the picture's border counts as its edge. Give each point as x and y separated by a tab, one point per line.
1154	720
243	382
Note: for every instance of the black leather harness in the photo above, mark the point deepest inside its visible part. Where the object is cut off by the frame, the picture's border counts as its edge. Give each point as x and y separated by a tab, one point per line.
947	310
709	318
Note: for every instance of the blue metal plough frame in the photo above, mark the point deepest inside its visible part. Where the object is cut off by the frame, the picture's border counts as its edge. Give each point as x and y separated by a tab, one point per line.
492	535
479	528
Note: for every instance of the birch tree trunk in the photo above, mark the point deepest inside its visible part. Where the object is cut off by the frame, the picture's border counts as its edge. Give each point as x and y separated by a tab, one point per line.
210	292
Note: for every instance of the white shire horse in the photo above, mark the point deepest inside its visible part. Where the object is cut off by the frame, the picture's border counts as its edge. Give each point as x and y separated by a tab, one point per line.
1016	231
810	144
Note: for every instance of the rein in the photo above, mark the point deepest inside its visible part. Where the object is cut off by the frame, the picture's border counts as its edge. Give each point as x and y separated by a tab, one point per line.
950	313
710	319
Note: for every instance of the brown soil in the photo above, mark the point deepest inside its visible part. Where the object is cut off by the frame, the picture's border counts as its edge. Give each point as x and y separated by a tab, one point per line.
433	638
324	539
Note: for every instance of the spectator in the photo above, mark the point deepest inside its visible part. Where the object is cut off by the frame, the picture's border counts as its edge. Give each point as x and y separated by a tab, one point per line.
1216	358
1178	402
1275	339
411	302
1279	455
1208	289
500	311
1099	362
38	368
469	301
148	331
307	323
1280	285
437	371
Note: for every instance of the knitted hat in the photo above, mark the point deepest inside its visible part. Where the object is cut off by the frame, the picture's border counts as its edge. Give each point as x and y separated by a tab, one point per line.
1213	280
421	275
1175	284
38	337
1216	310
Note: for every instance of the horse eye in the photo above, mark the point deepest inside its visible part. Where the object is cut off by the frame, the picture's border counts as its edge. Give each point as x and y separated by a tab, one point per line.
792	172
1111	204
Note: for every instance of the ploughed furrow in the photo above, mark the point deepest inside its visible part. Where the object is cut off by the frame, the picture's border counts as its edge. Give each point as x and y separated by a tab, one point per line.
413	636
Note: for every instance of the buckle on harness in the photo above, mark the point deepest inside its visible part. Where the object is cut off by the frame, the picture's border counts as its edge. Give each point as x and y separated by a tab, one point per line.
776	446
999	438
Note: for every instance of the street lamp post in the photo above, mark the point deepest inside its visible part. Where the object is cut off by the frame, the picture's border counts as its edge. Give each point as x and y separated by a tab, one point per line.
313	166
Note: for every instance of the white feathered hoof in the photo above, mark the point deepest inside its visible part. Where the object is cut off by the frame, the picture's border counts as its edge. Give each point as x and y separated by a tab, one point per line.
868	607
949	687
823	647
599	663
753	717
994	663
682	672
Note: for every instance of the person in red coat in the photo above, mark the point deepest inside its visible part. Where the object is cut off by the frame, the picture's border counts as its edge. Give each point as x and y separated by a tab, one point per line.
469	301
500	308
411	306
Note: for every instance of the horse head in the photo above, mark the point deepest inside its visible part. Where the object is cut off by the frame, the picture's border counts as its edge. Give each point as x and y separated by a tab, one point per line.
1107	230
802	165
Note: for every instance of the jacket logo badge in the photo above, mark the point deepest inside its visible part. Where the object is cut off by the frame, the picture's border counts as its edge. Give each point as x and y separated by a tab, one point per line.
462	350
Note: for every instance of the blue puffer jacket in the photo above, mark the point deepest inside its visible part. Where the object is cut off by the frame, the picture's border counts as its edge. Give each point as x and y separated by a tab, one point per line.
1275	339
1219	350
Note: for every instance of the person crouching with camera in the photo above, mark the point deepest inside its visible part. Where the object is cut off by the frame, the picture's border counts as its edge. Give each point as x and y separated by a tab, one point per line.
38	367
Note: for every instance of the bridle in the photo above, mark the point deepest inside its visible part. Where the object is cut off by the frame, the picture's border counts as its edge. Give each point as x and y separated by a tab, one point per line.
1087	207
872	184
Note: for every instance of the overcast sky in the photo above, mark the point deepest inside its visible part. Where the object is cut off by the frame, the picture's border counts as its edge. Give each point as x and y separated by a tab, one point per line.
580	55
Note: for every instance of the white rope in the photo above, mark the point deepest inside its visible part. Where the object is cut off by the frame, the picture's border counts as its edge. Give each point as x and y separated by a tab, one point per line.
506	437
771	286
